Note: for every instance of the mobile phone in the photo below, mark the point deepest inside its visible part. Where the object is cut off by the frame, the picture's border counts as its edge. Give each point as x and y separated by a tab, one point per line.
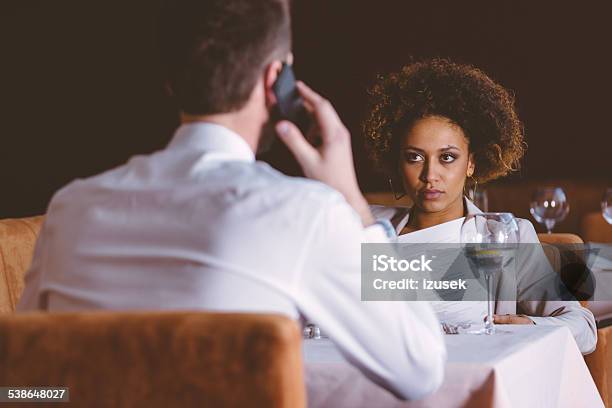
290	105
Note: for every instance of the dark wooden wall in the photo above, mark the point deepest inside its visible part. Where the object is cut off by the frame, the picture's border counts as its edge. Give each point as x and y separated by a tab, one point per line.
80	91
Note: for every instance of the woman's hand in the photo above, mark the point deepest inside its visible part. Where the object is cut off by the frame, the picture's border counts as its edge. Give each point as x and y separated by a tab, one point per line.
512	319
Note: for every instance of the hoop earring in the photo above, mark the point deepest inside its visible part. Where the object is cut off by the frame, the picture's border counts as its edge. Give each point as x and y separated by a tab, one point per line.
471	193
395	195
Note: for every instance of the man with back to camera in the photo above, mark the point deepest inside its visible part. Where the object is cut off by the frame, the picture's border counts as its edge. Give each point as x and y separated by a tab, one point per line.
202	225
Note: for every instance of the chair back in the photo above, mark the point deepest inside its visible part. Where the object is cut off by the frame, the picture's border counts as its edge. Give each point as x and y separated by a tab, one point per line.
560	239
595	228
552	253
157	359
17	240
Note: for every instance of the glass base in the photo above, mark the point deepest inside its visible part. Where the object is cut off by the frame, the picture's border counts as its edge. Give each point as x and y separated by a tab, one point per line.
484	330
495	330
312	331
468	328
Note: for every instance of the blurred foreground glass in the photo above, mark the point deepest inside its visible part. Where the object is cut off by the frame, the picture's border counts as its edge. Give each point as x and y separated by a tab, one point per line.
549	206
606	205
312	331
487	239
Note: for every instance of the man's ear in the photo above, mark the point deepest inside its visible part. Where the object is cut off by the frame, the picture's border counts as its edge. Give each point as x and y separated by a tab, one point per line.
270	74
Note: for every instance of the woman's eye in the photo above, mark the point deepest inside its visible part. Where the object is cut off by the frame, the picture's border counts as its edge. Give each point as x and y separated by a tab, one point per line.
448	158
413	157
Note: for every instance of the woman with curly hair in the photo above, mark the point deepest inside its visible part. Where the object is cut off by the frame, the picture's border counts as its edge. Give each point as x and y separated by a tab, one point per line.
435	129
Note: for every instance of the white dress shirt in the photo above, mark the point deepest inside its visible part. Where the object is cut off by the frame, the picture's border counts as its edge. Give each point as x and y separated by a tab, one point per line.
202	225
578	319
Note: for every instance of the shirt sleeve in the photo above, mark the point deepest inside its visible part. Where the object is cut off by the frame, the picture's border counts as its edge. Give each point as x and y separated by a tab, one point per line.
571	314
398	345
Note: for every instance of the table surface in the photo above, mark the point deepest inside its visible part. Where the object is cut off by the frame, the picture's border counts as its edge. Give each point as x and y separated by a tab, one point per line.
520	366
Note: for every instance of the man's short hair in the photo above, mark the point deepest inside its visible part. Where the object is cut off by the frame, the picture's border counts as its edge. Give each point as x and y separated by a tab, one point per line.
213	51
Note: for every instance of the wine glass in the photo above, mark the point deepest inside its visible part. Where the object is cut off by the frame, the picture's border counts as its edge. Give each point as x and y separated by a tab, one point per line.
486	239
606	205
312	331
549	205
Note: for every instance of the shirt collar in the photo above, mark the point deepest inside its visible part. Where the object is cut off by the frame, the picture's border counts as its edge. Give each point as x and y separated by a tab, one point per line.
402	217
211	137
471	207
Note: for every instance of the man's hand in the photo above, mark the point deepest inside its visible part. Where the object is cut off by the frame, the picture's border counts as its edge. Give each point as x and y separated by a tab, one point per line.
332	161
512	319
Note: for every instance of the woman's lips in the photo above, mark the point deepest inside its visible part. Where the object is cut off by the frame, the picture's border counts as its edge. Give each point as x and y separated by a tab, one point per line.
431	194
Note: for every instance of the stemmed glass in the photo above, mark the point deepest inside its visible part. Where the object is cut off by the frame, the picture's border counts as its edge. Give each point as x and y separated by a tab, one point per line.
606	205
487	239
549	206
312	331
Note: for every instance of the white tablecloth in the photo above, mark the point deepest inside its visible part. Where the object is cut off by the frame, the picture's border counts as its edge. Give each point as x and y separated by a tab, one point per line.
526	366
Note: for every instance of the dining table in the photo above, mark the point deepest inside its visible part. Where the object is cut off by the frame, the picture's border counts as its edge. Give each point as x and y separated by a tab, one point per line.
518	366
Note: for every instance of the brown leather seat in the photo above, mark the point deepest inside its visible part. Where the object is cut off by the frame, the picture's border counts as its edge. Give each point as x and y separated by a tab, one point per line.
182	359
560	238
514	196
600	364
599	361
146	359
550	245
17	239
595	228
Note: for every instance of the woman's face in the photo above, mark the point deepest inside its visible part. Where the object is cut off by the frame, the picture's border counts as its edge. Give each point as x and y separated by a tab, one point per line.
434	162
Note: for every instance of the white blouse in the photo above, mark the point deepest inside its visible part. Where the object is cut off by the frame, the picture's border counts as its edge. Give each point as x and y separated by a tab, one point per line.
578	319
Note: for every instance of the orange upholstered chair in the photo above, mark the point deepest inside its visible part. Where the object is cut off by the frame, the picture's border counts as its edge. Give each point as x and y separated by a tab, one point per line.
144	359
560	238
599	361
595	228
514	196
17	239
550	245
156	359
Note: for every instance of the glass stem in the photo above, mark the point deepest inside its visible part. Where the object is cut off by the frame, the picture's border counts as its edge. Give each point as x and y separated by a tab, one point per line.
550	224
489	327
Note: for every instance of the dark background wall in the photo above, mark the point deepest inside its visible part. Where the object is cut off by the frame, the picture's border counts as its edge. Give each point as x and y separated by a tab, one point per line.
79	89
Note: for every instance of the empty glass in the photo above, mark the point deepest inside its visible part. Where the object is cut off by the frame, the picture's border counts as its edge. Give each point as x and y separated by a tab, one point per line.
312	331
549	206
606	205
486	239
